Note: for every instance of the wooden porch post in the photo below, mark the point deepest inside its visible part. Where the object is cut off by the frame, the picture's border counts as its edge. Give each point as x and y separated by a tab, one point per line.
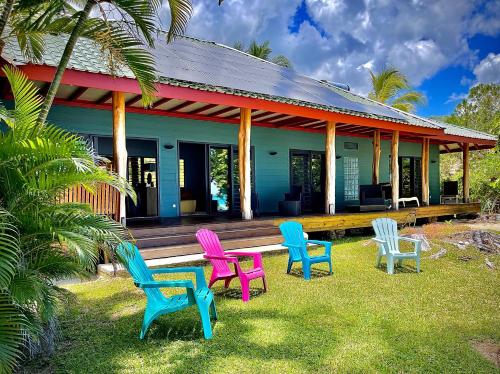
244	163
425	171
376	157
466	171
119	146
330	168
395	169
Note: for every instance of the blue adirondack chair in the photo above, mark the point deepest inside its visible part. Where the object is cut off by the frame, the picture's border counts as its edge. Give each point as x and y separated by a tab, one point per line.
297	248
388	239
157	303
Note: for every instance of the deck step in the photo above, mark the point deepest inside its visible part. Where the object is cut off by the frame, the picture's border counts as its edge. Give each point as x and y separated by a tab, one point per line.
168	239
194	248
146	232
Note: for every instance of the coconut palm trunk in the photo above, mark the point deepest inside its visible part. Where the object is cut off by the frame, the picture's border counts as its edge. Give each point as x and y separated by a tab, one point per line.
68	50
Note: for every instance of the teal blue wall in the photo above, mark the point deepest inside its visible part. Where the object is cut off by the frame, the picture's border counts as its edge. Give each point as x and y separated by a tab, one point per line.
271	172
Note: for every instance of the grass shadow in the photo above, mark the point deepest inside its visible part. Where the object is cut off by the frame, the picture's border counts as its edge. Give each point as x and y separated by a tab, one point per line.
403	269
235	293
315	273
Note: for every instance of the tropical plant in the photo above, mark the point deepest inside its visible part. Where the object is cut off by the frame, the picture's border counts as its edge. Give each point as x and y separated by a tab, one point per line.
122	28
391	87
263	51
43	239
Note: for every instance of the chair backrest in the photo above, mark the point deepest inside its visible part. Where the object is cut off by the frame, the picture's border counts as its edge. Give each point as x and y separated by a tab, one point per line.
387	229
210	243
293	233
133	261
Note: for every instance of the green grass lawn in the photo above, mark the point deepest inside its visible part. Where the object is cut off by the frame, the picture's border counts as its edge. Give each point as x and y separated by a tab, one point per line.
359	320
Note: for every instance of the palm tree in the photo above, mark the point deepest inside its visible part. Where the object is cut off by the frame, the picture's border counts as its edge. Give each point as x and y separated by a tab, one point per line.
43	241
391	87
260	50
123	40
263	51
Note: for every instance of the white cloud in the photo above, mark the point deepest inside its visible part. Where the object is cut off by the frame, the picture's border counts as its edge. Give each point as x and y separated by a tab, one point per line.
456	97
488	70
419	37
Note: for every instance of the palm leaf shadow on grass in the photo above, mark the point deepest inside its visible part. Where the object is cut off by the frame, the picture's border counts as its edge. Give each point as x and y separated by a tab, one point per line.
315	273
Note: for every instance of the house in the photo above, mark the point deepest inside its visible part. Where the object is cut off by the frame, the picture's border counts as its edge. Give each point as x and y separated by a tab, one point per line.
227	128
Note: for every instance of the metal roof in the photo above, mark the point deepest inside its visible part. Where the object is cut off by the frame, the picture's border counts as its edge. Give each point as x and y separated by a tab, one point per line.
209	66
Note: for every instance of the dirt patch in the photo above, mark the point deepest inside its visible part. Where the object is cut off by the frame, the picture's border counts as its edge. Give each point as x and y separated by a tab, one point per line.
489	350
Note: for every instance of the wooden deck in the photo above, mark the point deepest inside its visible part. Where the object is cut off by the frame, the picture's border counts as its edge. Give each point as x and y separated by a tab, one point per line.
343	221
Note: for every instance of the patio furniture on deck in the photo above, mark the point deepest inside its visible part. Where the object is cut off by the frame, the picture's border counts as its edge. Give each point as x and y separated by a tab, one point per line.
220	261
292	205
372	198
387	239
297	248
450	193
405	200
159	304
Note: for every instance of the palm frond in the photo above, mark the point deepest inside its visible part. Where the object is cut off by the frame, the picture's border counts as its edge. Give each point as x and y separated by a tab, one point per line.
12	322
180	13
9	248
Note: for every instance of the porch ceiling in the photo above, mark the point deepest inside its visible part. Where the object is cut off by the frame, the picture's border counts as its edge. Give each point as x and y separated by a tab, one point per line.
101	99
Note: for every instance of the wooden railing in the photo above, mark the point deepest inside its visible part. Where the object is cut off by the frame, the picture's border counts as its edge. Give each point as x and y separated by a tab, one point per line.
105	200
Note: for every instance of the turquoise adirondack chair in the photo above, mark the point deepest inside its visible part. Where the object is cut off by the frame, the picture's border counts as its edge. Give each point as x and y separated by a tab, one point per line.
157	303
297	248
388	239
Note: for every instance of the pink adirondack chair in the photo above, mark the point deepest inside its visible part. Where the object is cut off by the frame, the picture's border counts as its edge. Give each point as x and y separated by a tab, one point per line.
220	261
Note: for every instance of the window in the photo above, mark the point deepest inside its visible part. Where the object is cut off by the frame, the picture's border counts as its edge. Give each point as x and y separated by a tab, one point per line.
351	178
350	145
181	173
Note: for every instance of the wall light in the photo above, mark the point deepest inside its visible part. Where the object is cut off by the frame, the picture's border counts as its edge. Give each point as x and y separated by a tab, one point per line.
168	146
338	157
273	153
433	161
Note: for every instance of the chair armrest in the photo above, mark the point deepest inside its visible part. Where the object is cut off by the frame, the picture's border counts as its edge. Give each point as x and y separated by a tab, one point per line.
166	283
257	257
417	242
327	245
379	241
200	276
223	258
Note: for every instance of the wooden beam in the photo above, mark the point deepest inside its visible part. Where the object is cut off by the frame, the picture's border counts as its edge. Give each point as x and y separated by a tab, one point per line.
275	117
203	108
330	160
238	114
77	93
466	171
376	157
222	111
395	169
447	148
104	97
296	122
161	102
244	162
425	171
133	100
181	106
119	145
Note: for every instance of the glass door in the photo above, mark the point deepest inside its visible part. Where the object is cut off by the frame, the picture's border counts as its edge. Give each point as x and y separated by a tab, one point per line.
410	177
219	178
307	176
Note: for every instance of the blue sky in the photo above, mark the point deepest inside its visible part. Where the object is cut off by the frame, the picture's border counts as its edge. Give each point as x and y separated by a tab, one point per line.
443	46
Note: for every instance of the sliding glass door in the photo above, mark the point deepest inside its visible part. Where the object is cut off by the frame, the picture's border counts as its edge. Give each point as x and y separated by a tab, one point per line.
307	176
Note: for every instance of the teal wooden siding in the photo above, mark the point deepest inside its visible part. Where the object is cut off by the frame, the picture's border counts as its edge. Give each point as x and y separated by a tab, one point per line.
271	172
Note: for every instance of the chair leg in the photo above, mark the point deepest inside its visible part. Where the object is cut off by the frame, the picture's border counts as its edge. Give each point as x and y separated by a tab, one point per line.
390	265
213	279
379	259
290	263
418	264
330	266
227	281
264	282
306	269
213	309
400	263
205	320
245	289
145	326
